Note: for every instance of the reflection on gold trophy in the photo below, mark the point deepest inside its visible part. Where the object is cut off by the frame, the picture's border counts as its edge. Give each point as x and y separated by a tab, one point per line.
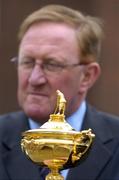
56	144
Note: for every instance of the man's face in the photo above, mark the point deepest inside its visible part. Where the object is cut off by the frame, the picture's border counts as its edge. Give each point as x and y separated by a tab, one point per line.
48	43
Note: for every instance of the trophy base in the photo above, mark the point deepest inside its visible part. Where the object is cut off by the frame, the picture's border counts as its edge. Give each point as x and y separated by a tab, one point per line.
54	176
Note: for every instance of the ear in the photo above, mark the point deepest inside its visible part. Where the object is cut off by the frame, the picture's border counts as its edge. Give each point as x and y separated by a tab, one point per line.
90	74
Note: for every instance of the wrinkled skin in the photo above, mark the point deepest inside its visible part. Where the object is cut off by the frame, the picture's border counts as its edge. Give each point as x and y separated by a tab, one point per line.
37	90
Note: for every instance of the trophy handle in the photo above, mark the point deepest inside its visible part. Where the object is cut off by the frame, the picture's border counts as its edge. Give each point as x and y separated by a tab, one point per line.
82	144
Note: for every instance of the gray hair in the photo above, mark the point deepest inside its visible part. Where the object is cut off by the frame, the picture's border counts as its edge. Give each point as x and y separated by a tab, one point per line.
89	31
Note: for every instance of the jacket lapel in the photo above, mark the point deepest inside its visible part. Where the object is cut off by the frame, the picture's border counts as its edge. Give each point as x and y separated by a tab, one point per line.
17	166
100	152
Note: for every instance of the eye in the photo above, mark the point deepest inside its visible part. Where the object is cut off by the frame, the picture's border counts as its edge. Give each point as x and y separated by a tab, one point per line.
53	66
27	62
52	61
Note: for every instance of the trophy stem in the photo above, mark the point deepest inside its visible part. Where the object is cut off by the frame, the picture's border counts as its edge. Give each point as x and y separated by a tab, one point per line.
54	174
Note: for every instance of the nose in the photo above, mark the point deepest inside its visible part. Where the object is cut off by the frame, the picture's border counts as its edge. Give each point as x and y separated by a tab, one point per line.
37	76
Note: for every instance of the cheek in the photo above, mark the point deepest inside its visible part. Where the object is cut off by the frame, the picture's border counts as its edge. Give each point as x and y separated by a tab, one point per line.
71	81
22	87
22	79
66	83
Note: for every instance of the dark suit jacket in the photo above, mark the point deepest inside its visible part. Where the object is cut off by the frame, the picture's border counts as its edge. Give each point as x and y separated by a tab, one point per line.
102	162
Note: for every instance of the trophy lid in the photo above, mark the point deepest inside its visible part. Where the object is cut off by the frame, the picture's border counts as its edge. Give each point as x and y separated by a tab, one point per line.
57	120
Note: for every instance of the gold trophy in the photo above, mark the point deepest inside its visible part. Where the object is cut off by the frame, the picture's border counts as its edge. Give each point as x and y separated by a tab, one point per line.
56	144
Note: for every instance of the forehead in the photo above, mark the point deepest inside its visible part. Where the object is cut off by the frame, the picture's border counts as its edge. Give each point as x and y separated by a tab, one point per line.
51	37
50	31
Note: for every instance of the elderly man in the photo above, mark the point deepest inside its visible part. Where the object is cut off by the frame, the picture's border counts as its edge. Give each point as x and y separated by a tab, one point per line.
59	49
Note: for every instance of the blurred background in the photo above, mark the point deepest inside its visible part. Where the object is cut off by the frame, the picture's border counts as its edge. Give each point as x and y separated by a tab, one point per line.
105	94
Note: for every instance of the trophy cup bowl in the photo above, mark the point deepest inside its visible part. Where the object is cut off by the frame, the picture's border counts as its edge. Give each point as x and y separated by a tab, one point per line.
56	144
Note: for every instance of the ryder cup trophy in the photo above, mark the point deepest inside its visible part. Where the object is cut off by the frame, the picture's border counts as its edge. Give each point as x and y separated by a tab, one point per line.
56	144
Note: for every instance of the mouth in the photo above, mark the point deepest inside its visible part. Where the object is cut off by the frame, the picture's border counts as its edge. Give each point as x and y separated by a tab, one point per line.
36	97
38	94
37	91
